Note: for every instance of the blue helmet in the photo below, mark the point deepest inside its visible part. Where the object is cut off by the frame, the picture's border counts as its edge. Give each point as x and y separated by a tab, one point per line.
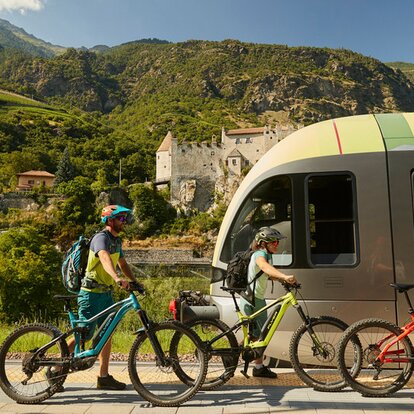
113	211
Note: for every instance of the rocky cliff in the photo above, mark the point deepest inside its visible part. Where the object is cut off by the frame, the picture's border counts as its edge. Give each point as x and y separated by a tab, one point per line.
208	81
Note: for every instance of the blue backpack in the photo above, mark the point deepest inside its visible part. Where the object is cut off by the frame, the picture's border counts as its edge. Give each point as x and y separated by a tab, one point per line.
74	264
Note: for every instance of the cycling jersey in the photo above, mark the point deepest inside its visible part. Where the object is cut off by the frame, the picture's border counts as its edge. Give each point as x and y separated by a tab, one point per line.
104	240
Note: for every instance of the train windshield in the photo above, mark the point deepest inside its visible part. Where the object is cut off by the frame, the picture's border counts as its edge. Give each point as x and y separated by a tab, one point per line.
269	204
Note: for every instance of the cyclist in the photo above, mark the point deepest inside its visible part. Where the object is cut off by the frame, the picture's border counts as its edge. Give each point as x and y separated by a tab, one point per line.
105	255
264	245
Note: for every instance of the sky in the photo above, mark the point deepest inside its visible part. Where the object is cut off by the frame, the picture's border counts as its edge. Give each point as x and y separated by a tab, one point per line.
382	29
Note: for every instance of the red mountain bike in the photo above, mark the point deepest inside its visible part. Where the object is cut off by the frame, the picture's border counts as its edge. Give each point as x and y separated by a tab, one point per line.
384	353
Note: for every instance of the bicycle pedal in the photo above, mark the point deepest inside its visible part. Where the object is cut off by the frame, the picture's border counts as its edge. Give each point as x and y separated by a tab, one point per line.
246	375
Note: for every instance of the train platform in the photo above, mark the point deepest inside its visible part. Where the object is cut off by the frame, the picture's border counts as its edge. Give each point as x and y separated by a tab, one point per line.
238	396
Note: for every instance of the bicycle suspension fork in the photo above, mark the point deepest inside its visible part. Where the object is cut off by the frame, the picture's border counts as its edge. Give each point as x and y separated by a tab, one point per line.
317	345
148	324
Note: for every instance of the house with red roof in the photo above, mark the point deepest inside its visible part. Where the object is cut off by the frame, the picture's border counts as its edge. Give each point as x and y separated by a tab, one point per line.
29	180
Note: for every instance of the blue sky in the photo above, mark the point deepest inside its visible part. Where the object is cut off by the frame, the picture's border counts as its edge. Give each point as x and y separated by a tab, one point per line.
382	29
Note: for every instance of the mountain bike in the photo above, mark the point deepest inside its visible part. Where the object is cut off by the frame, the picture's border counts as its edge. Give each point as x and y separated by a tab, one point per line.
312	347
32	351
384	353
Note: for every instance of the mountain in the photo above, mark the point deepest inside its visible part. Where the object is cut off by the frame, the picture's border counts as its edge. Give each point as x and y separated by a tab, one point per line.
123	100
406	68
14	37
195	87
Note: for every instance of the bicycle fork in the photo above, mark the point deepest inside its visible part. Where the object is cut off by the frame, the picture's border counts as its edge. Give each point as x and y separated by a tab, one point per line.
147	323
317	347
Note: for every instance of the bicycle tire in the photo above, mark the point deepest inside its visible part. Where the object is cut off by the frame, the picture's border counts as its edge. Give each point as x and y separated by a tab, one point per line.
220	368
318	371
14	354
159	384
375	380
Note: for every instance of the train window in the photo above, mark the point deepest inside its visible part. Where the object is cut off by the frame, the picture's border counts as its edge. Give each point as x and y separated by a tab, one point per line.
331	219
269	204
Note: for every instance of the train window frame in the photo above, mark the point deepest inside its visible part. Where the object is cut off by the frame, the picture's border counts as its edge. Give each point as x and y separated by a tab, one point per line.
288	260
354	220
412	191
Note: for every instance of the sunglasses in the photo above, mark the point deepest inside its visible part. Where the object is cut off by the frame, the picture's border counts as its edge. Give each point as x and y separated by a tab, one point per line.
122	219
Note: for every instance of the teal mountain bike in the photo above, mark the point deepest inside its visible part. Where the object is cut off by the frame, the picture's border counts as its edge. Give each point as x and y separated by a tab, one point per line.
156	362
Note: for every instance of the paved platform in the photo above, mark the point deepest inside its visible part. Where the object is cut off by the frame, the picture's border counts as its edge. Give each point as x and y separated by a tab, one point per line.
239	396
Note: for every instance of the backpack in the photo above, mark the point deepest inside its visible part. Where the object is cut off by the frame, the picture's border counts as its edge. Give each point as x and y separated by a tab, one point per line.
74	264
237	269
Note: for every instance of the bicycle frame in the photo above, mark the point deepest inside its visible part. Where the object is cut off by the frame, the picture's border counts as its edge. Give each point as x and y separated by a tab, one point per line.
285	301
384	356
103	334
107	328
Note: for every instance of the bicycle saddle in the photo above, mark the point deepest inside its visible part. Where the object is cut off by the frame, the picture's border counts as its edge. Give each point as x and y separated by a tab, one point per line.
401	287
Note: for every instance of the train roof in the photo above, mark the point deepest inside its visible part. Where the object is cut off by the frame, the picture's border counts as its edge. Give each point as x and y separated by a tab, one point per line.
342	136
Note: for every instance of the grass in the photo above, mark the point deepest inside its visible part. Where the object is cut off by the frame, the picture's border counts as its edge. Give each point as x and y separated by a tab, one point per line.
160	290
10	98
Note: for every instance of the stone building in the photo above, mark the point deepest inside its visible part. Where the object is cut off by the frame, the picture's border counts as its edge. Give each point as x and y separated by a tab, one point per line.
196	171
32	179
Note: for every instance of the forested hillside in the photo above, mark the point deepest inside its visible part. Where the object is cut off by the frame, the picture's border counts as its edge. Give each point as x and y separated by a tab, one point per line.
14	37
406	68
125	99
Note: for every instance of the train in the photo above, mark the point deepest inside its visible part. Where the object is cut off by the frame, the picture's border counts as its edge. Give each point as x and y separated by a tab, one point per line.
342	192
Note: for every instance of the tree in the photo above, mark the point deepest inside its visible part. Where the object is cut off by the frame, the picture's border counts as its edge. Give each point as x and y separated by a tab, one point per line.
65	170
101	182
151	210
75	210
29	275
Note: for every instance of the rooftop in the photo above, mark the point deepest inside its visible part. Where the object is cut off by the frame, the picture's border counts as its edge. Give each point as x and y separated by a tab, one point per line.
244	131
166	143
37	173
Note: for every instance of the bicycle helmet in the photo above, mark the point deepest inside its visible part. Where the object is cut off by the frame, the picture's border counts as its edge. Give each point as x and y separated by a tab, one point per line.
113	211
268	235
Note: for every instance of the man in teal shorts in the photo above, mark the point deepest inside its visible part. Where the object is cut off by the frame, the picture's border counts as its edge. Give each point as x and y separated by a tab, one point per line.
105	255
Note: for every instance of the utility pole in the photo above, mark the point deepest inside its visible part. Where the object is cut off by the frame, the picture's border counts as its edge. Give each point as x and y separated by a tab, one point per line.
120	171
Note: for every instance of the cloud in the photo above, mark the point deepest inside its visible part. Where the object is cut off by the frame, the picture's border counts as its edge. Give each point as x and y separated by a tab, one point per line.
21	5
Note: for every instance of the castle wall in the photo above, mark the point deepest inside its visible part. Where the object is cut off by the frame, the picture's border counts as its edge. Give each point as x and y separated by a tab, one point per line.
197	169
194	171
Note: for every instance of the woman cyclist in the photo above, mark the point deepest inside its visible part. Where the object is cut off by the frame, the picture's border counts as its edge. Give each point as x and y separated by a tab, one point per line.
264	246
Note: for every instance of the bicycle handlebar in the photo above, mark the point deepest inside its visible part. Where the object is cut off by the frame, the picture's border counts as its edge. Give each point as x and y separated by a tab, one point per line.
135	287
289	287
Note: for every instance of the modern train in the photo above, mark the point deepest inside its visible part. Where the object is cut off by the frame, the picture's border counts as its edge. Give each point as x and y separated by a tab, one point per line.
342	192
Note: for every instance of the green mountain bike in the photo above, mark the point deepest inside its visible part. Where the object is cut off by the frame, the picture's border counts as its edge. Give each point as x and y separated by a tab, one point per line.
312	347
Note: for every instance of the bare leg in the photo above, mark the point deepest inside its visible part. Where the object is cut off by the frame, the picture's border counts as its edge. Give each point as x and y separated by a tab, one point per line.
104	359
71	345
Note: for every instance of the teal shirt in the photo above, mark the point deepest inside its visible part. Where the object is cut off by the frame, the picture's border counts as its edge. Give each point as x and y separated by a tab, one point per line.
261	282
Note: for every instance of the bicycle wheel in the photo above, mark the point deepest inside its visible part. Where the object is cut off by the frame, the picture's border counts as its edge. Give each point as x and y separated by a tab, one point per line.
376	378
313	368
221	367
24	379
154	378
